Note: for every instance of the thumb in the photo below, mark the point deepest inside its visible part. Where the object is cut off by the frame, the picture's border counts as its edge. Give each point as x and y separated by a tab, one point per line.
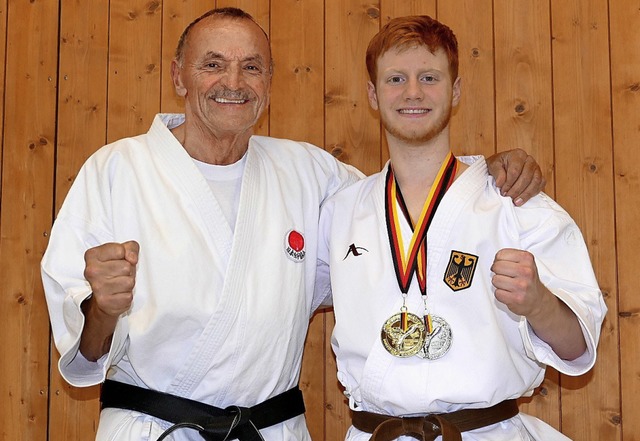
131	251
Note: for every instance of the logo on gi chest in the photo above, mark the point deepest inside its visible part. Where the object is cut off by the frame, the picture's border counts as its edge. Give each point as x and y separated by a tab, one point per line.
460	270
355	251
294	245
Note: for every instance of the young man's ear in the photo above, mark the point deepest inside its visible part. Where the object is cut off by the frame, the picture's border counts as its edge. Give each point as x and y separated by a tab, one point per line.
176	77
457	90
371	93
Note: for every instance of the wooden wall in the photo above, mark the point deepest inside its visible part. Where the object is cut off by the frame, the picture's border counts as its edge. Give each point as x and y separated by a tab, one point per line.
559	78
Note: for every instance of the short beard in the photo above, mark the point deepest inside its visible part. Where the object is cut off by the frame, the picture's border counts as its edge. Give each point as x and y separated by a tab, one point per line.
414	138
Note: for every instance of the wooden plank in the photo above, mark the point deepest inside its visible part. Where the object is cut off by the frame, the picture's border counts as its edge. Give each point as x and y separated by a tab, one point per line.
134	66
3	44
473	122
337	413
624	25
351	133
390	9
176	16
524	119
584	187
524	98
297	96
27	189
82	120
313	375
260	11
297	112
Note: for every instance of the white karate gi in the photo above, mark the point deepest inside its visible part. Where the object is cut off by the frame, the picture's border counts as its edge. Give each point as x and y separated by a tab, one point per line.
494	354
216	317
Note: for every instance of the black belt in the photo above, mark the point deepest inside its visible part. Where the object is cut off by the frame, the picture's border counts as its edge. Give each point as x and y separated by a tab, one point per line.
428	427
213	423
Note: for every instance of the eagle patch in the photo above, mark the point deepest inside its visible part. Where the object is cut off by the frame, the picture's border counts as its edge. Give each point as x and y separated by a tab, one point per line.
460	270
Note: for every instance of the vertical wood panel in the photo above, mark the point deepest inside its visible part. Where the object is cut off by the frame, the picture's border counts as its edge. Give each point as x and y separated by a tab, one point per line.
3	60
297	112
297	95
82	119
134	66
584	187
391	8
352	131
625	65
120	77
27	193
473	123
524	119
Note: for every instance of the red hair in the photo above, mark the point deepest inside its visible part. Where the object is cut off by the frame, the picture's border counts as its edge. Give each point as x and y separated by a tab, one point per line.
412	31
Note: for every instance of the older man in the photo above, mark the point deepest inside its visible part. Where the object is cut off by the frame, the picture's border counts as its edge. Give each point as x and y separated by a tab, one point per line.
181	266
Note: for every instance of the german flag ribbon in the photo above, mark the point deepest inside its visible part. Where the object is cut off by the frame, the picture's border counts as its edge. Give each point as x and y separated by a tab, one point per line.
405	263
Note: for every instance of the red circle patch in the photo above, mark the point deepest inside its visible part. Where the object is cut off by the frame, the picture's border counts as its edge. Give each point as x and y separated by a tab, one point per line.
296	241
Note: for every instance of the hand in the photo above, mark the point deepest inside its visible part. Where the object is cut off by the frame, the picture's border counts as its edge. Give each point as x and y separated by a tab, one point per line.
517	175
520	289
517	283
110	269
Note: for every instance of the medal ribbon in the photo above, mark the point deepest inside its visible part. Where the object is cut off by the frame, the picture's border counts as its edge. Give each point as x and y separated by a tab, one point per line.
416	259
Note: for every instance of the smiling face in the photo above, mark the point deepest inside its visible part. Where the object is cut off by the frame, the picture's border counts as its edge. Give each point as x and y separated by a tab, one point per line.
224	76
414	93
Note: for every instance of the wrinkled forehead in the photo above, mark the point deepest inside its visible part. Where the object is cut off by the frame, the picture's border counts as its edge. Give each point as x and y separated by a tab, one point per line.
229	36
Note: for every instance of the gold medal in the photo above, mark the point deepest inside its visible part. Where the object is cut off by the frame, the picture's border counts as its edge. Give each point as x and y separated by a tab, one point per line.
403	341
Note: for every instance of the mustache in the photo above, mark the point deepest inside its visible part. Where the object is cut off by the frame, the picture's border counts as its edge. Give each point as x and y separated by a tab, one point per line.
228	94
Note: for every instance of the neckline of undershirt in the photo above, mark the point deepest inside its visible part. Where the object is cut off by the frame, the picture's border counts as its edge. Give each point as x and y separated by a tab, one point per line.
222	172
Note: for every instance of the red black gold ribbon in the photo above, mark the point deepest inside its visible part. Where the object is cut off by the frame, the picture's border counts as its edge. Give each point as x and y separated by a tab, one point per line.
415	260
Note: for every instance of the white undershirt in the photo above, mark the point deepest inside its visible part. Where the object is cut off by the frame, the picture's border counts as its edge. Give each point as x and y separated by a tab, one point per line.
225	182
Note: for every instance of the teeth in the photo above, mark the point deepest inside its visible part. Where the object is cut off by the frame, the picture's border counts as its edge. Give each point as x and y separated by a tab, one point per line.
413	111
228	101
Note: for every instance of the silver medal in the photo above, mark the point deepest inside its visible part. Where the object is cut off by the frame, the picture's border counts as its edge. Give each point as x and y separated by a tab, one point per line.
438	342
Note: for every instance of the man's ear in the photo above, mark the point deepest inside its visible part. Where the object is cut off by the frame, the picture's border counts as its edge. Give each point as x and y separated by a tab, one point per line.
176	77
457	90
371	93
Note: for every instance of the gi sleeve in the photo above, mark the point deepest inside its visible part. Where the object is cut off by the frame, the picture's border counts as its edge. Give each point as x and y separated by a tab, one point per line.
62	270
564	267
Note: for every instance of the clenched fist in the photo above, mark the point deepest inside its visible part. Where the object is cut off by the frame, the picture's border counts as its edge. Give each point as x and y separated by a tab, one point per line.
516	281
518	286
110	269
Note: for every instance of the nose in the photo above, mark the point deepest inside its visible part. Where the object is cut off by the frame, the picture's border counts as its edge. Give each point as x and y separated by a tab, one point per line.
234	78
413	90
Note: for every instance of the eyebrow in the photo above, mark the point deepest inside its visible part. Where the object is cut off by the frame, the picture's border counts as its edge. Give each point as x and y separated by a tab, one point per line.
218	56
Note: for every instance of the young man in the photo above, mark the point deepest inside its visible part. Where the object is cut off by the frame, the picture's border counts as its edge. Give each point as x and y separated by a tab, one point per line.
449	301
182	262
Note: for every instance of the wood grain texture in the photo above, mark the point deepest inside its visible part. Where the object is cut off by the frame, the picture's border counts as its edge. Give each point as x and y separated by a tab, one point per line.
3	46
82	127
473	122
352	131
584	187
559	79
25	217
134	66
624	25
524	119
